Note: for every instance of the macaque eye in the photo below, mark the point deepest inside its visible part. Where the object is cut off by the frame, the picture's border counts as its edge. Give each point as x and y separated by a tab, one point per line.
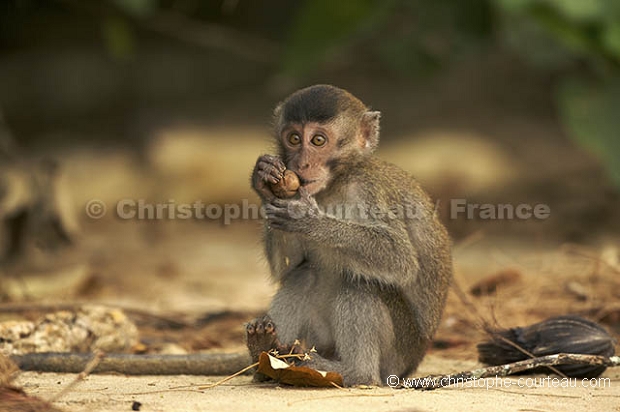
294	139
318	140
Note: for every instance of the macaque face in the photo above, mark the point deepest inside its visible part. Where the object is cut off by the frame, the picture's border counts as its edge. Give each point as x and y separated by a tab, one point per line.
308	147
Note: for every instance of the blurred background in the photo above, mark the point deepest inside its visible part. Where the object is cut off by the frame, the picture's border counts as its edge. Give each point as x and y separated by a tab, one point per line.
492	101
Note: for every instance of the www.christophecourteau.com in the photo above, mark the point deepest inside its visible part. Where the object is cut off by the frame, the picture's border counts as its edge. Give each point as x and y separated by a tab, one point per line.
394	381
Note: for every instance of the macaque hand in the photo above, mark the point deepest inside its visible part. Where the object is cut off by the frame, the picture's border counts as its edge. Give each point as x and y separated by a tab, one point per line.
268	170
293	215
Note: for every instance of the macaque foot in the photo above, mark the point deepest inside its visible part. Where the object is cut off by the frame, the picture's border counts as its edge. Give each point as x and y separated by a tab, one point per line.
261	336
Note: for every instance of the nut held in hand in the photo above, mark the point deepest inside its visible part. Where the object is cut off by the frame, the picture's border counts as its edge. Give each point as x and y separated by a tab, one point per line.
287	186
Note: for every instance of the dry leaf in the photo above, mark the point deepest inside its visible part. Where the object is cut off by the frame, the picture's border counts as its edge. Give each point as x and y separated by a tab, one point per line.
489	285
282	372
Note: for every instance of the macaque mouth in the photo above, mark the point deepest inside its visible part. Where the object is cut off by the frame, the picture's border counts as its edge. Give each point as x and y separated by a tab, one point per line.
309	178
306	181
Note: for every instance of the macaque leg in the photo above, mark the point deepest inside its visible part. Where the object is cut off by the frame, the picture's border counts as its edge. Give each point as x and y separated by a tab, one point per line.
364	337
356	344
283	325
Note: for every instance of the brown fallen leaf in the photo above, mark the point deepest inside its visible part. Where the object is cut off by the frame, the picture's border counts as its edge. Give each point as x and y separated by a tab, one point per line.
282	372
449	342
489	285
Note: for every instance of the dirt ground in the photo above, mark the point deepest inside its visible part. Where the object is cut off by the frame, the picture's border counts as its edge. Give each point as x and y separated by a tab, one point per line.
242	278
212	276
154	393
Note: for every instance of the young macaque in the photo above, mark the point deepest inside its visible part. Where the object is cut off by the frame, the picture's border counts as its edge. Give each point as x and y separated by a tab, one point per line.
362	262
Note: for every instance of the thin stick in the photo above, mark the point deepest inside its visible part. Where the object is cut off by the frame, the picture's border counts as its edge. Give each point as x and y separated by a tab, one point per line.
247	368
465	300
525	352
98	356
226	379
439	381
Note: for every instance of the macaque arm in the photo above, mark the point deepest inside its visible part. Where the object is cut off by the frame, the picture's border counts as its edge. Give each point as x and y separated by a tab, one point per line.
366	248
284	252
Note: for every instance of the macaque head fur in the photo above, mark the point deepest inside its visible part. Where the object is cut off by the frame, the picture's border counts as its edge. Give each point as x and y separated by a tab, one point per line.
322	128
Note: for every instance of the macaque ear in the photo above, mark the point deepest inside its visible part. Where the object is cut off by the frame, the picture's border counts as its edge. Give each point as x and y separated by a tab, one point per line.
370	130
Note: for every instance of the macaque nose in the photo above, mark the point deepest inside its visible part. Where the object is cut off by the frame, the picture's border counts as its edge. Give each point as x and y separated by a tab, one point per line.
304	161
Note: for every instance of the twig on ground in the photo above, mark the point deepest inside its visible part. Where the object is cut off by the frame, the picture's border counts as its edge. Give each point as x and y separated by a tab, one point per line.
98	356
226	379
439	381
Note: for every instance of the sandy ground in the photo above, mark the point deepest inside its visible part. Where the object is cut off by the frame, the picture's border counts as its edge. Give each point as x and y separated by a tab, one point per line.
155	393
240	281
193	268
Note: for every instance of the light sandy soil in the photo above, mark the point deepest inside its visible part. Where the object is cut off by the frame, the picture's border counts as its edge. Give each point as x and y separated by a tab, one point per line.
193	268
241	281
117	393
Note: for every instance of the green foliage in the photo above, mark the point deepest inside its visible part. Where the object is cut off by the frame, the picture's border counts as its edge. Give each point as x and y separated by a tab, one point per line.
591	112
117	37
577	10
421	36
322	24
415	37
408	37
137	8
586	28
116	31
555	33
611	38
